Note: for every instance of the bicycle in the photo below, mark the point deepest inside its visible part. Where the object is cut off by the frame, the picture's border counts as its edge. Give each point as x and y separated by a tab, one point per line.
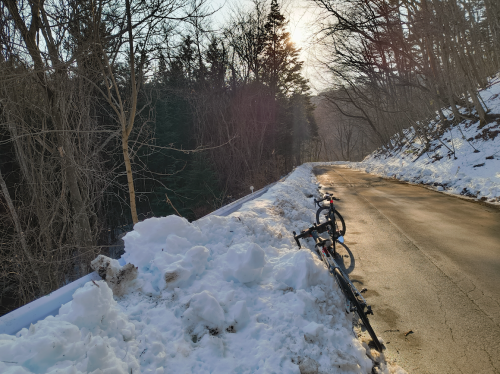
355	302
332	215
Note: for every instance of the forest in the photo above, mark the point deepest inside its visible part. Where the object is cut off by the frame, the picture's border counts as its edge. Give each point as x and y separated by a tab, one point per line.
112	112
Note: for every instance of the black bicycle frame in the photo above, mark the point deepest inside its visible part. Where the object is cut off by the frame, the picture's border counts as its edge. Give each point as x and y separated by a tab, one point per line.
332	265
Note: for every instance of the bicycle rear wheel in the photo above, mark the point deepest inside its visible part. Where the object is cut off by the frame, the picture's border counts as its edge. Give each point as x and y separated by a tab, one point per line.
324	213
358	308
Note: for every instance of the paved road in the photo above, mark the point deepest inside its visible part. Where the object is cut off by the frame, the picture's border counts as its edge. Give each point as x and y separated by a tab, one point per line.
431	264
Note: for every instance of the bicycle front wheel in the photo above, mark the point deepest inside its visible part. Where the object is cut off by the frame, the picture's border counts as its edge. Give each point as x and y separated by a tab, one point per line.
324	213
358	309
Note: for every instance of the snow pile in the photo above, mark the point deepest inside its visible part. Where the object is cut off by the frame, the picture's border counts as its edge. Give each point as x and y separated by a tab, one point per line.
223	294
462	159
234	294
90	335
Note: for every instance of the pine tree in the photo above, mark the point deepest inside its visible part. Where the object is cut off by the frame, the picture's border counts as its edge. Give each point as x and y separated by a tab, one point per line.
216	58
281	65
282	73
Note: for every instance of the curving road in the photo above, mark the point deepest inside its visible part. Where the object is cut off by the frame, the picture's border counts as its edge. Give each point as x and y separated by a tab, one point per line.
431	264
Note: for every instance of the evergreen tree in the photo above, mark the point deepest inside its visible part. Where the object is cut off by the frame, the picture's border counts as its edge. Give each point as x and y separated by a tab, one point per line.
281	65
282	73
184	182
216	58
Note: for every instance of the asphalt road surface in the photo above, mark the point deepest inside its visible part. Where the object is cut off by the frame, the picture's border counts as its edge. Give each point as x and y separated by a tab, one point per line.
431	266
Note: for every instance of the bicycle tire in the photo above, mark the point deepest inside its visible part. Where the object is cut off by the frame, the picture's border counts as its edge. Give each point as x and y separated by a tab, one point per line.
359	310
334	217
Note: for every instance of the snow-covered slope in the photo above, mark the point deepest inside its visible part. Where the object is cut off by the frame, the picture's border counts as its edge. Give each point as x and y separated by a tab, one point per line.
222	294
461	159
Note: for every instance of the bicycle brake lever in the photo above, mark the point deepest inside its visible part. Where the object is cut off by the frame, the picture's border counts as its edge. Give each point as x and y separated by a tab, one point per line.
296	239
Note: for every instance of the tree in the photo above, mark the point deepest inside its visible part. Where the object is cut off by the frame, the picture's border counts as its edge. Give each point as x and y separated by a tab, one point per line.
52	167
140	32
58	60
280	58
53	87
399	63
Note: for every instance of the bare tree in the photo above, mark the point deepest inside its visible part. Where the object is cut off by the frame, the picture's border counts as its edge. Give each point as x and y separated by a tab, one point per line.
400	63
140	34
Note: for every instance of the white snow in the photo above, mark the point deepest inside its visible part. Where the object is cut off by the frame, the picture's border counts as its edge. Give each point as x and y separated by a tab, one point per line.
89	333
244	262
474	168
220	295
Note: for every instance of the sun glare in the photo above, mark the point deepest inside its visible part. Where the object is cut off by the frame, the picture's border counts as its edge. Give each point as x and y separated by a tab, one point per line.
296	35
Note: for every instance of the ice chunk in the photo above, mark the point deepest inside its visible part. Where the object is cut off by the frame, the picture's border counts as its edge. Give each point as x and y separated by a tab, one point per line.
151	236
299	271
244	262
312	329
102	359
90	305
204	312
240	314
308	366
94	308
179	273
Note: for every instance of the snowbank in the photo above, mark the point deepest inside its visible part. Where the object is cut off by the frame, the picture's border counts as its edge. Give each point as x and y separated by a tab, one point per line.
234	294
90	333
463	159
223	294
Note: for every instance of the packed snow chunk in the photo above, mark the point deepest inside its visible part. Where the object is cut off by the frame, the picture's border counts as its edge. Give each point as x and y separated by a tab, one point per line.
240	315
204	313
94	308
102	359
117	277
300	270
176	244
244	262
43	345
9	369
89	334
151	236
308	366
312	330
181	272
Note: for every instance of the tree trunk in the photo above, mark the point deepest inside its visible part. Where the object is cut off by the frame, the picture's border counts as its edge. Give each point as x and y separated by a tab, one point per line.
20	232
130	179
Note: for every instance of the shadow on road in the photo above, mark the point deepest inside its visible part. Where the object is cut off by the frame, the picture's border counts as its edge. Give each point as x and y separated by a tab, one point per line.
341	259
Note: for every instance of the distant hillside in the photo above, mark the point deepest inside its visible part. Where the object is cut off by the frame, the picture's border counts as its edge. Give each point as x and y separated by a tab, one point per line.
454	157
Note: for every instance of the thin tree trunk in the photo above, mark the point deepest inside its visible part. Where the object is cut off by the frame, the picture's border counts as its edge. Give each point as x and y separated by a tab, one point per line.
20	232
130	179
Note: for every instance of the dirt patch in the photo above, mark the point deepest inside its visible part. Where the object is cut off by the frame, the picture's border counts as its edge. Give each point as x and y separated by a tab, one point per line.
171	277
118	278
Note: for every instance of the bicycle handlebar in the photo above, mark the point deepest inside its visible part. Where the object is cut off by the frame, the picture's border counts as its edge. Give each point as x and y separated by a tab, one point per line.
326	197
312	231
